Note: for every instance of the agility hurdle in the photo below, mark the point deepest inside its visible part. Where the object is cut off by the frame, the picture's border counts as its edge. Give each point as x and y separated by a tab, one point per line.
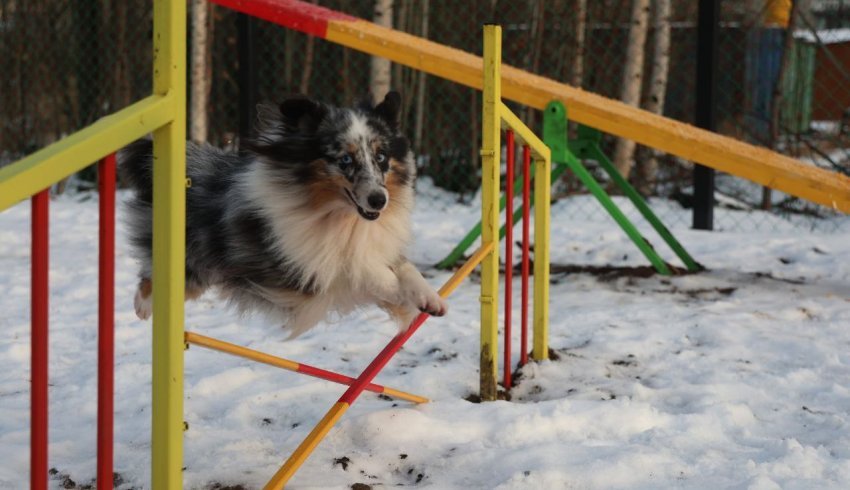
495	116
162	113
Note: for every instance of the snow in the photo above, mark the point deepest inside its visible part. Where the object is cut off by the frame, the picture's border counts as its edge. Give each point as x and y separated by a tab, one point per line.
735	377
825	36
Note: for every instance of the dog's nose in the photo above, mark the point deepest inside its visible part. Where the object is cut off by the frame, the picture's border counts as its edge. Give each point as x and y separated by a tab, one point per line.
377	200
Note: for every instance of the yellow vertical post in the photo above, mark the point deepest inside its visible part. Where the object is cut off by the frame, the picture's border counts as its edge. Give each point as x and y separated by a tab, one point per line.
490	159
542	188
169	230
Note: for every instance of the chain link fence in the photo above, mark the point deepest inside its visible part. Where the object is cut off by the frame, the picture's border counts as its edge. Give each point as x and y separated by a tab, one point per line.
782	83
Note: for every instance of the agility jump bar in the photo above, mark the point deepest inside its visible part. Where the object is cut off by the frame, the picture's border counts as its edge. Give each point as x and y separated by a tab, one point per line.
365	379
297	367
723	153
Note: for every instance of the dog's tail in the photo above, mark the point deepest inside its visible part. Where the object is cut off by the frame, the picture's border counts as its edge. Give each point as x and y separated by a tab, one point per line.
135	168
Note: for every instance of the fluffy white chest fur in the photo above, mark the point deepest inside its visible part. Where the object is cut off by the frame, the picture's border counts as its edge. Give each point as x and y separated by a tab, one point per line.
345	260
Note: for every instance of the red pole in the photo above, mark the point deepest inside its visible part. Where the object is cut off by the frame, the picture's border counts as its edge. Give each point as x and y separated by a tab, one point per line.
106	322
39	318
381	360
526	199
509	256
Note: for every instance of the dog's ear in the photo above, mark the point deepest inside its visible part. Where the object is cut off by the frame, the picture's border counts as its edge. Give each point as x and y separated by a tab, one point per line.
390	109
302	114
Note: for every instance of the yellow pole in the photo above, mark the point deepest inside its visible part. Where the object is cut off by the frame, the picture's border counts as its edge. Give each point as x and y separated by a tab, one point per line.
306	448
490	163
542	193
169	230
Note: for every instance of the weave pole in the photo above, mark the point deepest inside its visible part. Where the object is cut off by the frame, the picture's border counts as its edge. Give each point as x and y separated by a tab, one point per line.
106	322
509	256
296	367
347	399
39	270
526	199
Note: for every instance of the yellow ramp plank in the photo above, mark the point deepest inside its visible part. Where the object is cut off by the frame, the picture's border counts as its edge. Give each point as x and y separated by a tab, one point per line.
720	152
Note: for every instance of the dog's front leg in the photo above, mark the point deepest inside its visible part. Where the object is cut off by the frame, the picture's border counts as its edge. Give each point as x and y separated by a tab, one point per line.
417	293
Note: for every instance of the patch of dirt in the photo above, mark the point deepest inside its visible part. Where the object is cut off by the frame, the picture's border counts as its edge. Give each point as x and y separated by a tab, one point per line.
500	395
66	482
699	293
627	362
343	461
768	275
607	273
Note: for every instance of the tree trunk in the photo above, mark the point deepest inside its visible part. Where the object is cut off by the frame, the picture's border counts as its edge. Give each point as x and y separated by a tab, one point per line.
200	89
536	34
380	76
122	92
304	86
648	169
632	79
577	78
419	123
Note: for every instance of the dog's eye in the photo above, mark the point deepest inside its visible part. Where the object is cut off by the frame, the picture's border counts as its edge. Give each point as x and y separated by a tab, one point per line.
381	157
345	161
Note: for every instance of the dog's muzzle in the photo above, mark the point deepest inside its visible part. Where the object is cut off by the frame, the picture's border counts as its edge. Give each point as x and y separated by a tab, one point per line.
368	215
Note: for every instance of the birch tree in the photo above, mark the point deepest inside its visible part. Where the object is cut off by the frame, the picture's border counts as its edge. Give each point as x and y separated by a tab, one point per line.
380	76
648	169
632	79
536	34
419	122
200	89
578	58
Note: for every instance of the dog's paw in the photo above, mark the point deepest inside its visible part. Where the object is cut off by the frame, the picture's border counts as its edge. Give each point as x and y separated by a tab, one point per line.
431	303
144	306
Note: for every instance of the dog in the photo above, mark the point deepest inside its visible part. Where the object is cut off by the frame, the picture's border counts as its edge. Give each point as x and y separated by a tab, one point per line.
310	219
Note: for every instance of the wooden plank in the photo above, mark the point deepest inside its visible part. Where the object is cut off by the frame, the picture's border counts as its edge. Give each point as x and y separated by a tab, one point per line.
720	152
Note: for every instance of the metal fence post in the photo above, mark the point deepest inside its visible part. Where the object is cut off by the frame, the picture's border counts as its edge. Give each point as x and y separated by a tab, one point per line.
247	75
707	26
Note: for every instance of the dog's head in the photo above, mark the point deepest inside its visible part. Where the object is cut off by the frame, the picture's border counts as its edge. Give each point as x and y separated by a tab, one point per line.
356	157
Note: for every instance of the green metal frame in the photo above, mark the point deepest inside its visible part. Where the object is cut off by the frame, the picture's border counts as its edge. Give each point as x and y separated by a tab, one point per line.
569	155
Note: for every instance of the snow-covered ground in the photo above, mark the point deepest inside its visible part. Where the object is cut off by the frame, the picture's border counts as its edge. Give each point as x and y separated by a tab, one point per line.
732	378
